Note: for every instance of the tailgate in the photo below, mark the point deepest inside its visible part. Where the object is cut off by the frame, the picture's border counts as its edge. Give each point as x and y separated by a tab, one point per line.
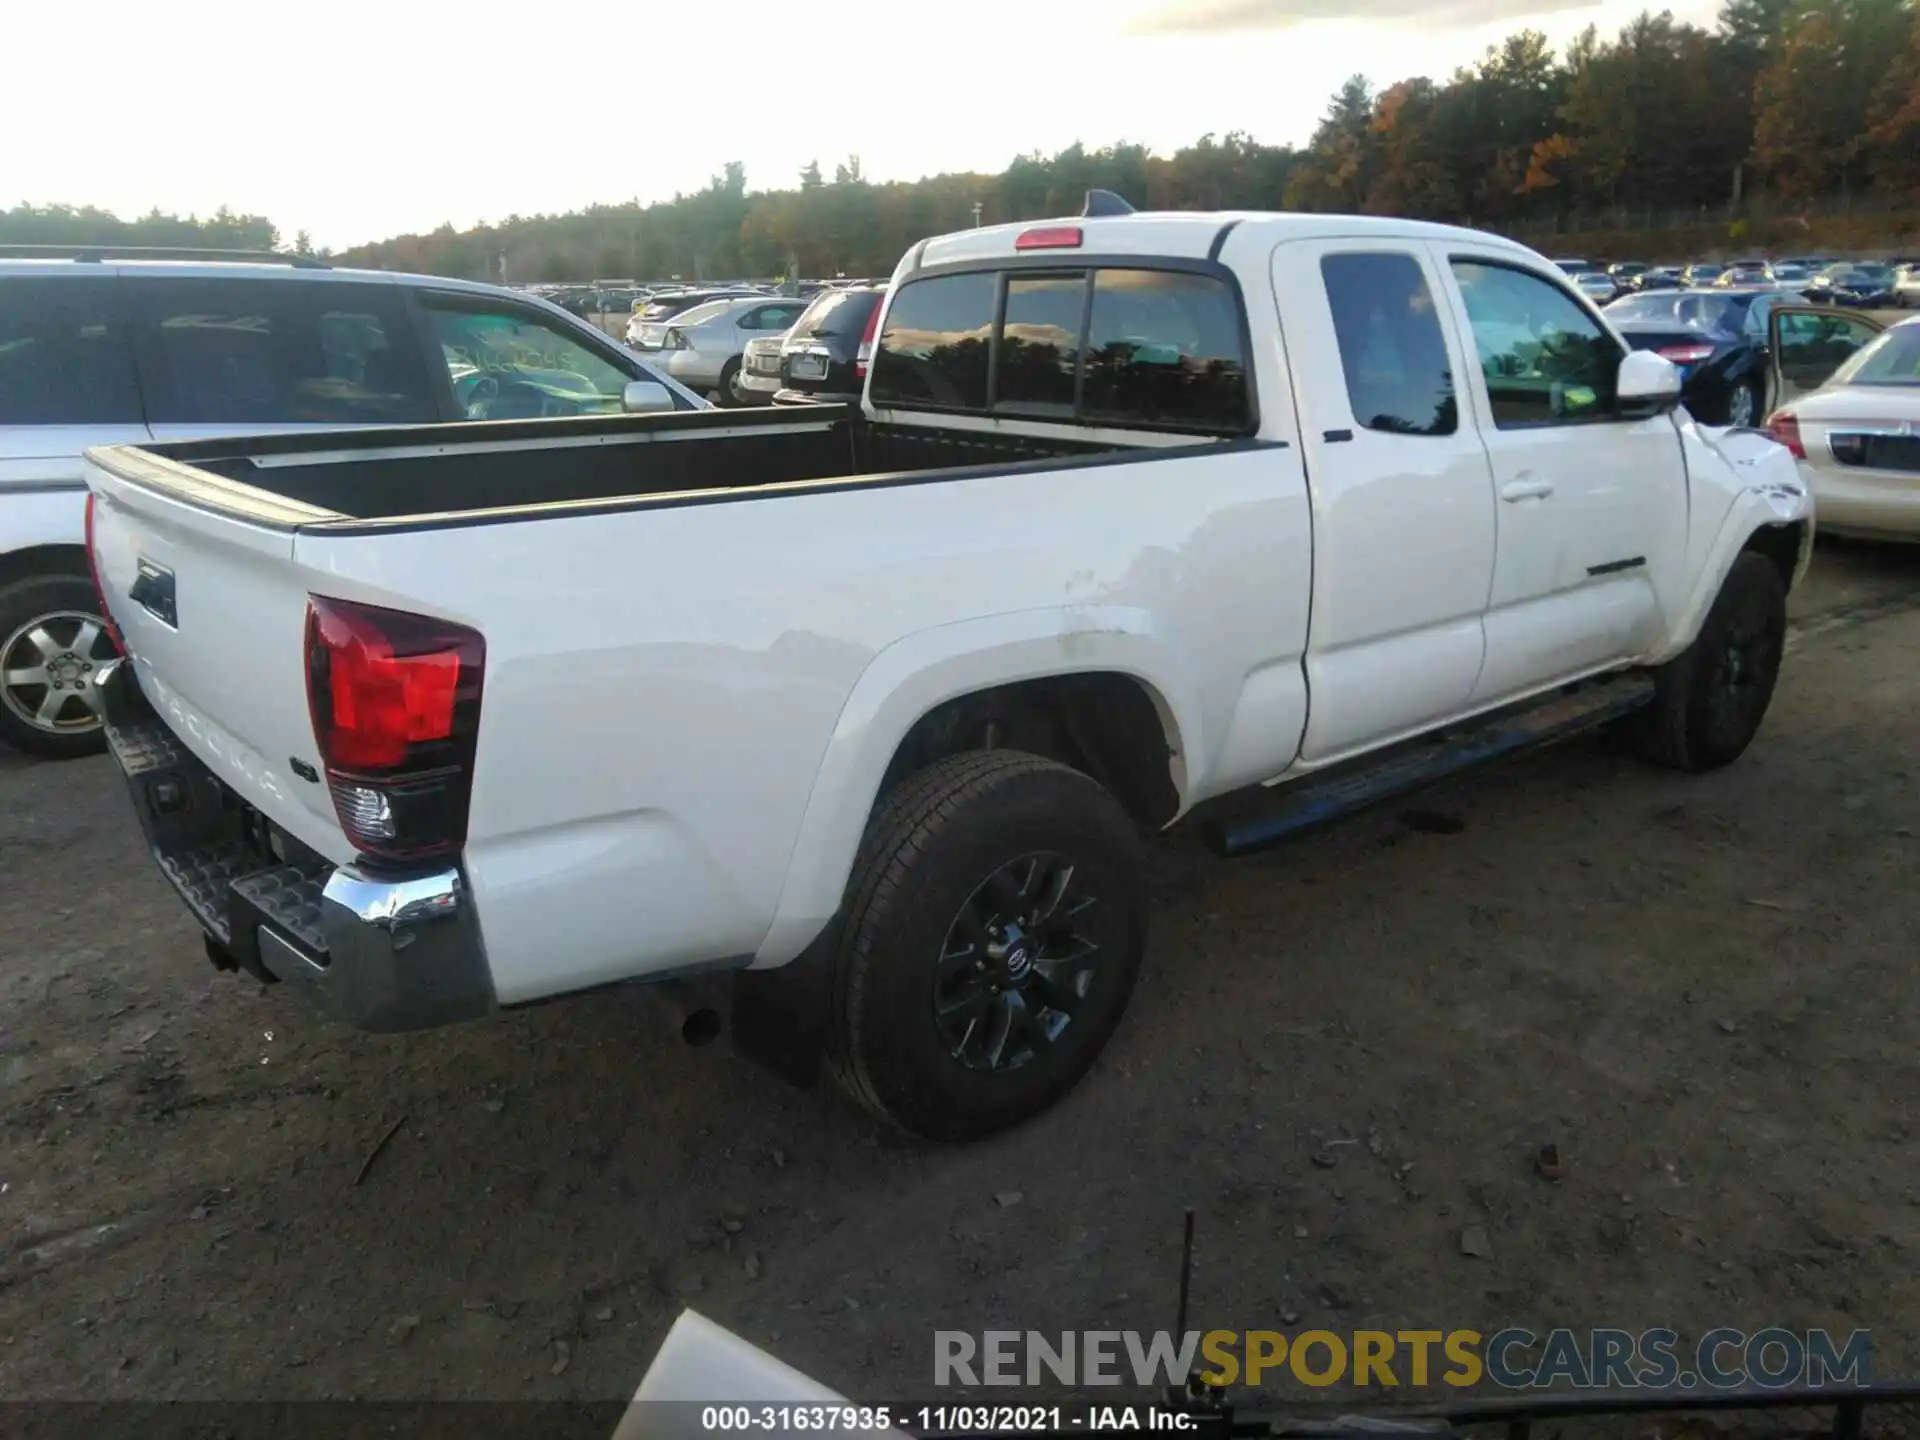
212	611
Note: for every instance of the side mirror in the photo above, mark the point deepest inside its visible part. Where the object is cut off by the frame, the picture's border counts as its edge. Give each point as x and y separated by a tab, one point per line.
645	397
1647	385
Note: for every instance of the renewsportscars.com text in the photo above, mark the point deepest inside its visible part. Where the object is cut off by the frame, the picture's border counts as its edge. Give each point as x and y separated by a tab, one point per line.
1513	1358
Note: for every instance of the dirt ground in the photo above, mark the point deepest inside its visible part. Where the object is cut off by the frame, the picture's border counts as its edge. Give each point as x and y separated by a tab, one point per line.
1700	989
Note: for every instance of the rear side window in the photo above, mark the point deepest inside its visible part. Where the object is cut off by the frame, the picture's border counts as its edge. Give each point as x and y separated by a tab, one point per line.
1156	349
934	350
1391	347
1165	350
237	352
63	358
1040	344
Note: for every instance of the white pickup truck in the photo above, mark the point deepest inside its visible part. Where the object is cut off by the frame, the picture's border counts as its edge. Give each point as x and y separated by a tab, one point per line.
867	710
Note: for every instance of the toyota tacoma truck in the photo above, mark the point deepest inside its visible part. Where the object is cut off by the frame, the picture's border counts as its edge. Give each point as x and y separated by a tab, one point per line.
861	713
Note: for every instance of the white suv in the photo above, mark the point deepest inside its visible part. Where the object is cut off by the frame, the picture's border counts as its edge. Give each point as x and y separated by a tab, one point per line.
100	346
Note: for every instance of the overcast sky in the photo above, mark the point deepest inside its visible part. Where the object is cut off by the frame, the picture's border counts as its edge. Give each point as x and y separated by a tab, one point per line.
355	120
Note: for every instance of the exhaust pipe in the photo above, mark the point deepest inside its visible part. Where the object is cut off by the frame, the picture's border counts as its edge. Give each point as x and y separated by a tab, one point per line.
694	1009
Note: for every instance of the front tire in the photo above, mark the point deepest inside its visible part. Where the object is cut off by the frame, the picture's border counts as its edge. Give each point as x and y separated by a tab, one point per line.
1710	699
995	924
728	391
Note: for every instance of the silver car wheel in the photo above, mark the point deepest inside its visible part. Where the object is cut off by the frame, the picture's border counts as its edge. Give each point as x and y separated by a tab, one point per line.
47	671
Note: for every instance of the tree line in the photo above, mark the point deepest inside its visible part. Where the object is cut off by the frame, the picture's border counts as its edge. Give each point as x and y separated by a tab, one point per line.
1796	100
87	225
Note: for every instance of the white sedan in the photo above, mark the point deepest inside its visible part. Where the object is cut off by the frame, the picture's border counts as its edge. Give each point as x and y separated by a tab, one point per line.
1857	436
703	348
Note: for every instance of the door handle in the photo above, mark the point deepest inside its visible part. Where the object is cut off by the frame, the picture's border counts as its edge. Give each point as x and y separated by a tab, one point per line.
1517	490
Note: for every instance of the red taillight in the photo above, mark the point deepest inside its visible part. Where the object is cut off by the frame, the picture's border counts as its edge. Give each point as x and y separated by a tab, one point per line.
864	356
93	569
1685	354
395	700
1049	237
1784	427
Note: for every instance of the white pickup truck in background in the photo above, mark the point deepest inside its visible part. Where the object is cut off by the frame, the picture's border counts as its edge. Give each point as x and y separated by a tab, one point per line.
867	710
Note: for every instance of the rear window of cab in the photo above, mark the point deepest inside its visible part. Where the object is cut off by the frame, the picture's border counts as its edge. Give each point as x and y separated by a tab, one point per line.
1132	348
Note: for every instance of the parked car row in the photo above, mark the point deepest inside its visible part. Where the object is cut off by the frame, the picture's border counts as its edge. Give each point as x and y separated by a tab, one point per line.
1866	284
751	350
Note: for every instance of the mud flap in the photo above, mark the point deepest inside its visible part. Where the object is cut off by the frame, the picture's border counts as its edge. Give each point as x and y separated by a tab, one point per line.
779	1016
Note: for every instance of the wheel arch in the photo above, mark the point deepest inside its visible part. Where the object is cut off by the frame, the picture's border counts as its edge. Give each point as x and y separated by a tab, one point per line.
1766	526
1083	680
34	561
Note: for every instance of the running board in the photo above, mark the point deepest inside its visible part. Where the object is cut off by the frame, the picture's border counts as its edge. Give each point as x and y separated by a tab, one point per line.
1311	802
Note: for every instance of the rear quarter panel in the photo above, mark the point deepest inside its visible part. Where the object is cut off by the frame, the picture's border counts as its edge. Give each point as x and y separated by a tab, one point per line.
688	708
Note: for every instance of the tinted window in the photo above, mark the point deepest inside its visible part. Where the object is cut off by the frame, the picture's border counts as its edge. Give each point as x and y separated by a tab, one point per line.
1545	360
837	312
62	358
1040	344
508	365
235	352
1164	349
933	351
1391	347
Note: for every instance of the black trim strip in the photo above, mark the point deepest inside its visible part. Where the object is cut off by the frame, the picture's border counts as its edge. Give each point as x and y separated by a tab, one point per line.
1613	567
1220	241
42	487
424	437
566	510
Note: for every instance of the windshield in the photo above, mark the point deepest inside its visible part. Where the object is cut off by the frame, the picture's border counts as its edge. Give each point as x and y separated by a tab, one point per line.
700	314
1690	312
1892	358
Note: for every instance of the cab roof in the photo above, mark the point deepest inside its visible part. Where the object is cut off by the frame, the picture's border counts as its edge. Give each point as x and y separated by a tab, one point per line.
1183	234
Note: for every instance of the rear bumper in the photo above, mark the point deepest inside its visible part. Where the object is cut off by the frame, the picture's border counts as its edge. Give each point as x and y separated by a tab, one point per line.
1875	504
381	952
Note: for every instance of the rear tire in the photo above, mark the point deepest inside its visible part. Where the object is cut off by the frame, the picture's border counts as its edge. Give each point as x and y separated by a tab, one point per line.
1745	403
728	391
53	641
1710	699
995	924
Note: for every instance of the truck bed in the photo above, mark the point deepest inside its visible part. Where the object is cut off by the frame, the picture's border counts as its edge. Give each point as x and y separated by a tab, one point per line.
424	475
686	679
